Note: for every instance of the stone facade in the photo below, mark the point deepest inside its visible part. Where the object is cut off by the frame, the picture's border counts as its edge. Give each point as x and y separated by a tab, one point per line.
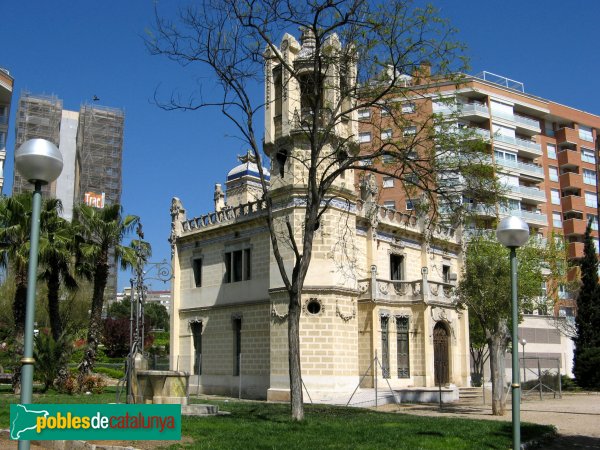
377	299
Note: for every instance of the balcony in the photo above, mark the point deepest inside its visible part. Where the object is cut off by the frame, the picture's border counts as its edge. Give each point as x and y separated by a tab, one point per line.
528	192
574	226
566	137
570	179
474	111
524	168
401	291
575	250
531	217
527	125
481	210
569	158
572	203
529	147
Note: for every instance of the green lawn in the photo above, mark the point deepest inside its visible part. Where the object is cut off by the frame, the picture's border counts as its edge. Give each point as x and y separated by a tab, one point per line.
265	425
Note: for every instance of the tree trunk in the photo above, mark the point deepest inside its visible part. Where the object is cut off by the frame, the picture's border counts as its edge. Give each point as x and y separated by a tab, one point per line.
95	327
497	346
295	370
53	304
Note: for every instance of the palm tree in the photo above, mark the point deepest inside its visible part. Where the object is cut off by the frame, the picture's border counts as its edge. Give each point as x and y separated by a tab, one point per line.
56	259
15	228
99	234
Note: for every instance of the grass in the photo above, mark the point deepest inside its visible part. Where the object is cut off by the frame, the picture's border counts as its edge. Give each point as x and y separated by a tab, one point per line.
266	425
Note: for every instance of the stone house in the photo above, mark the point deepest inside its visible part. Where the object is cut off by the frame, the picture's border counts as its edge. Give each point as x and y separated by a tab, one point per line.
378	292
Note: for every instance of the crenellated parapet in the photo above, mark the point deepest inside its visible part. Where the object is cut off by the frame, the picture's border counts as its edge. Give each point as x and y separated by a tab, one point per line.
226	215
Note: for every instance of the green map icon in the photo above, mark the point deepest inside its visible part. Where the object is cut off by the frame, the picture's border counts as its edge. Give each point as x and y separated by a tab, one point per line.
24	419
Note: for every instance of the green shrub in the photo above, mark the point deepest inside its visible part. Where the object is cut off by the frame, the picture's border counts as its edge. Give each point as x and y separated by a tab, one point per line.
50	357
568	384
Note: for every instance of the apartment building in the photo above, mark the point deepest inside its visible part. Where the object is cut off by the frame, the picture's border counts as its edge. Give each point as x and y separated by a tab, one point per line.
544	153
91	144
6	91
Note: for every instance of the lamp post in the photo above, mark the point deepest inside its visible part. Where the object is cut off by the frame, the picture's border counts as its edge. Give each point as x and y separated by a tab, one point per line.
523	342
512	232
39	162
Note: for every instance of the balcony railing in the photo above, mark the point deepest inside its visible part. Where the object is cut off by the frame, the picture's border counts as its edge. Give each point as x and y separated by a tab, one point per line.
379	289
528	192
522	167
467	108
530	145
527	216
517	118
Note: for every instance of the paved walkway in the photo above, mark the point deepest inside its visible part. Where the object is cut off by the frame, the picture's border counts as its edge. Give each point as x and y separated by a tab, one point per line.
575	416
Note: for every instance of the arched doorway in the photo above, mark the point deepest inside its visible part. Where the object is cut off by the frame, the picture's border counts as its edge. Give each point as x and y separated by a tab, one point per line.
440	354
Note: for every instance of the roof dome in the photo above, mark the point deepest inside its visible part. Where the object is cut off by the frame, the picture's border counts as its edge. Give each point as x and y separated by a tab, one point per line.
247	168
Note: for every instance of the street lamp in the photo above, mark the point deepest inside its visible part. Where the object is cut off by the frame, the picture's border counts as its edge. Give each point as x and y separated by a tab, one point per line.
512	232
39	162
523	342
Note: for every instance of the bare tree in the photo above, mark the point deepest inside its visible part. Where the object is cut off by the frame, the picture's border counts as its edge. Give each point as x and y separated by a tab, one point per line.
355	55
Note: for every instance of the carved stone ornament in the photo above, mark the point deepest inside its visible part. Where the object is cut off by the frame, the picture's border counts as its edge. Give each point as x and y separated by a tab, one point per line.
276	315
345	317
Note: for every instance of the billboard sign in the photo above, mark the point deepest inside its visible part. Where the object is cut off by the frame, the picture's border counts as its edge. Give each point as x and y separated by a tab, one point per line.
94	200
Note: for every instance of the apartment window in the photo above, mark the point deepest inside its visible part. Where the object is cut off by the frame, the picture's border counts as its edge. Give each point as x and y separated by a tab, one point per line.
556	220
585	133
591	199
402	344
386	134
366	162
555	196
197	268
410	131
385	349
196	328
396	267
587	155
408	108
389	204
385	111
500	154
388	159
237	266
553	173
596	245
388	182
551	151
237	346
364	114
593	219
589	177
365	136
410	204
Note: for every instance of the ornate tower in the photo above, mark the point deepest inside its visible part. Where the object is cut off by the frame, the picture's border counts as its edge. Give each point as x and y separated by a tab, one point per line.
306	90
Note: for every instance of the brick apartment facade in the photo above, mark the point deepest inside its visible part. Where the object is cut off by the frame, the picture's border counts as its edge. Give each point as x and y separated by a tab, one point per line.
544	153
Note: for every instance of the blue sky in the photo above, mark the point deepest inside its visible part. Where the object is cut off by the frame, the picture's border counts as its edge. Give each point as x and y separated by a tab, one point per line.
80	49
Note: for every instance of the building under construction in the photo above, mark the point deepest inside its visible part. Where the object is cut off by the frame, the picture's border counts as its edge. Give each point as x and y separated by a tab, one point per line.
91	144
38	116
99	155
